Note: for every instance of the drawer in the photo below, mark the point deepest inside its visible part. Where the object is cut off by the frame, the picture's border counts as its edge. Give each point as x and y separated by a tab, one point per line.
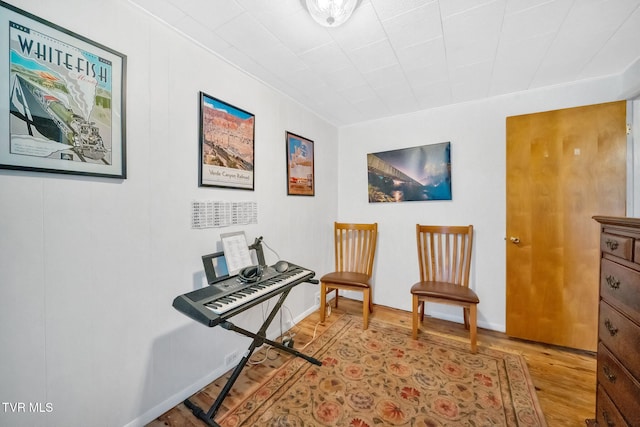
620	246
636	253
620	287
620	385
621	337
607	414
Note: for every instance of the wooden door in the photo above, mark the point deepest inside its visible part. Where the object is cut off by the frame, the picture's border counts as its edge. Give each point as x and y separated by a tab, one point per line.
563	167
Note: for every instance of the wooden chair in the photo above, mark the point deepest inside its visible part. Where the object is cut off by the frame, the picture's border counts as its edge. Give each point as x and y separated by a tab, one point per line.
444	256
355	248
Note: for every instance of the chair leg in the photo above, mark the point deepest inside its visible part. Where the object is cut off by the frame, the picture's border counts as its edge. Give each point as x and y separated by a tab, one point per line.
415	304
336	298
323	301
473	315
465	313
421	311
366	304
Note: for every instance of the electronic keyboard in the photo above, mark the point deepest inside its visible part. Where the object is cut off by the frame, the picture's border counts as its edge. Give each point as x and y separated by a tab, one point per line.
215	303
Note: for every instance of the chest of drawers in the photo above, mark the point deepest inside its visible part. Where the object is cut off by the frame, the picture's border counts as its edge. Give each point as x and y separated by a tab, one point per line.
618	367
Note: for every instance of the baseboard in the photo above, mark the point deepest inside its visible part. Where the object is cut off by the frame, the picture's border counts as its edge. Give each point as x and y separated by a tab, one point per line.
189	391
176	399
357	296
458	319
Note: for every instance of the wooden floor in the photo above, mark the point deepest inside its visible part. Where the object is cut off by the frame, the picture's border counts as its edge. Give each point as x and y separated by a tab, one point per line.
565	379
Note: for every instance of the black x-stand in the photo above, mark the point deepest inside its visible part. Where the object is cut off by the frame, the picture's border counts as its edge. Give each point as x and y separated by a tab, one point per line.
259	338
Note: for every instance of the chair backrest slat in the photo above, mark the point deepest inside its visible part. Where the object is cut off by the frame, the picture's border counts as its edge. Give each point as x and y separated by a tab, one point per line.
444	253
355	247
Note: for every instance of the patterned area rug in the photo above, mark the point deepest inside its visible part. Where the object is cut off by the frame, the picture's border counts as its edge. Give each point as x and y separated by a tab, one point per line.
382	377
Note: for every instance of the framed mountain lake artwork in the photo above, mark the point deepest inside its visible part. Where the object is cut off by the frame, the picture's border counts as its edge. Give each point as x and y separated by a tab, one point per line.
410	174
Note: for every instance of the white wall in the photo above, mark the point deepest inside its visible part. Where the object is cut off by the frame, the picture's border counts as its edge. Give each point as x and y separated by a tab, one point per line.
89	267
630	89
633	206
476	131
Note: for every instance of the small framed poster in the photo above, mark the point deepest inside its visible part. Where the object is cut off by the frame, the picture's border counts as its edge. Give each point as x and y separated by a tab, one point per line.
300	166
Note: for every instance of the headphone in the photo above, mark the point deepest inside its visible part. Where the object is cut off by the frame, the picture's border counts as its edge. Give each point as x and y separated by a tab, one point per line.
250	274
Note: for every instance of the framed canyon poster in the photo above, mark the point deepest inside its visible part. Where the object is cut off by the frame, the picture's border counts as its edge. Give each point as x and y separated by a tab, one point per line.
226	145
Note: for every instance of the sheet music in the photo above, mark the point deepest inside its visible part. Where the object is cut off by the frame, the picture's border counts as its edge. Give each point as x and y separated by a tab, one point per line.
236	251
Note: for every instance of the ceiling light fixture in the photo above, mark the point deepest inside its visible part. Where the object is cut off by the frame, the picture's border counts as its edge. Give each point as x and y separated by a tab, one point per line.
331	13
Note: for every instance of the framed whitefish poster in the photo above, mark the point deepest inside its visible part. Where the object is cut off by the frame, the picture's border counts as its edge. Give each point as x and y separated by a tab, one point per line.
62	99
226	145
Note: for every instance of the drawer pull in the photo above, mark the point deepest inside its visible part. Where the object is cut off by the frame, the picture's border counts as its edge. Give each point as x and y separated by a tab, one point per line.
612	330
611	244
610	375
613	282
609	422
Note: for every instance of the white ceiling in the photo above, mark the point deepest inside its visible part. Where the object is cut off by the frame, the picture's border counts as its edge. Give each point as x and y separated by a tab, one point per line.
398	56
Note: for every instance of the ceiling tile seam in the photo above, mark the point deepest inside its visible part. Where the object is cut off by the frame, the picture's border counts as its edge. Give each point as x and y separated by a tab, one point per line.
253	76
465	10
245	12
526	9
298	55
423	41
191	38
153	15
535	73
362	79
405	12
395	54
349	58
613	34
286	48
302	53
495	53
320	76
212	30
244	71
446	55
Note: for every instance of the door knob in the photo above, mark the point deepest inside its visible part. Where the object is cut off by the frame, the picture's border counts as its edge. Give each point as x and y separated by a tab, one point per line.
515	240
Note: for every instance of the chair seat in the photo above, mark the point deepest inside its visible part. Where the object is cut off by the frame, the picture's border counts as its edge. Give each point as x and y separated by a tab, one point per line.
347	278
445	290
